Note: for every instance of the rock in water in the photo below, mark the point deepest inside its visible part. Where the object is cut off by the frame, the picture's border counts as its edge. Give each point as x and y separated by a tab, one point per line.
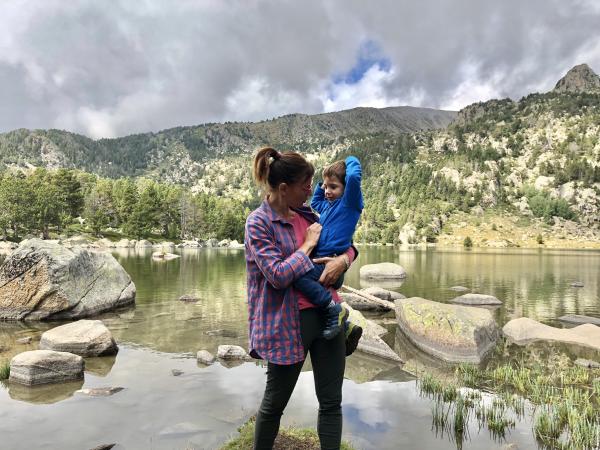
84	338
382	271
523	331
45	366
453	333
476	300
231	352
44	280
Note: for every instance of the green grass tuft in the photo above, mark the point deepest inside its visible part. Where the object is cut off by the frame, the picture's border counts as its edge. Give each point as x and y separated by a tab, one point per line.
288	438
4	370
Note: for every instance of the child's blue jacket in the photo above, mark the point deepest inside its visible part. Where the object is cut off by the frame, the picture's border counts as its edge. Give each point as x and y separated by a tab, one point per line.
339	217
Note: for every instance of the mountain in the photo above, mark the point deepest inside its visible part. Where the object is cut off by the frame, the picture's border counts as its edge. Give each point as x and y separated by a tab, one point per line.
180	151
580	78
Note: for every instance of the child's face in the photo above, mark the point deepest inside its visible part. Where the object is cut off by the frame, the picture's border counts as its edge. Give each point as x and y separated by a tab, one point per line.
333	187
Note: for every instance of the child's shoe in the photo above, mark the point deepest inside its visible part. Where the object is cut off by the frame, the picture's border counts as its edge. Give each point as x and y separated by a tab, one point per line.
353	334
335	316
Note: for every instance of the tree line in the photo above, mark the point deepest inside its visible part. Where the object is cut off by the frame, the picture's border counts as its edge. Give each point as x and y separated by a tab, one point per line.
50	201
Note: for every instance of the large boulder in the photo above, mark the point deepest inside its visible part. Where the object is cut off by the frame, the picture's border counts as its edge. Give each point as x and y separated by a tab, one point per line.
84	338
45	366
382	271
523	331
43	280
452	333
231	352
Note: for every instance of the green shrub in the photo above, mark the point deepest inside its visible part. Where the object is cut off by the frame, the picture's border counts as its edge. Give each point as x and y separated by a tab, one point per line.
468	243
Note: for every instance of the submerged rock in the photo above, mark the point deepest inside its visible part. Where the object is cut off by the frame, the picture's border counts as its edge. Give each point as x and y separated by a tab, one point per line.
579	320
452	333
523	331
382	271
45	366
44	280
84	338
188	298
476	300
459	289
577	284
100	392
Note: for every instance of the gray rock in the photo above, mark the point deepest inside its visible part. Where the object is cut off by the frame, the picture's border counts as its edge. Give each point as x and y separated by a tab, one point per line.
588	364
459	289
378	292
176	372
25	340
45	280
579	320
143	244
84	338
100	392
452	333
476	300
104	447
523	331
382	271
396	296
577	284
164	256
211	243
360	303
189	298
45	366
231	352
205	357
371	342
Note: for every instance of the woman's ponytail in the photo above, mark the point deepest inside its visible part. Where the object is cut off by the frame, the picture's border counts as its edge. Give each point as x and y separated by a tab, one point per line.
272	168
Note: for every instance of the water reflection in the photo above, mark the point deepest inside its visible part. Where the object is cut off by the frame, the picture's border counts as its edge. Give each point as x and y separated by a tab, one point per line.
44	394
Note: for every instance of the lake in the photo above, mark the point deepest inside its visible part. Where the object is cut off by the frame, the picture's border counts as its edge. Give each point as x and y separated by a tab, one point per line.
202	407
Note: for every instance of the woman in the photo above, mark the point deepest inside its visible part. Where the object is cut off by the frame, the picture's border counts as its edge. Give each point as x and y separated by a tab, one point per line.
284	327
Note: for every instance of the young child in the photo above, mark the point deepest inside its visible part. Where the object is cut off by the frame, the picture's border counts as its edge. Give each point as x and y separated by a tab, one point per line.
339	202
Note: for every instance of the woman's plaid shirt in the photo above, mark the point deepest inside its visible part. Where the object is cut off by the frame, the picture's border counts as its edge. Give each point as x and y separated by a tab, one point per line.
272	265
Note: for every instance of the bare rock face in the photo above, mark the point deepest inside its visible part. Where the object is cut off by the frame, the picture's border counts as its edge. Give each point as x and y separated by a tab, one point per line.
84	338
45	366
452	333
43	280
580	78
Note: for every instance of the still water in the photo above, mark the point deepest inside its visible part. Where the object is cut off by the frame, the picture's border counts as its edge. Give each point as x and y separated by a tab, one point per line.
202	407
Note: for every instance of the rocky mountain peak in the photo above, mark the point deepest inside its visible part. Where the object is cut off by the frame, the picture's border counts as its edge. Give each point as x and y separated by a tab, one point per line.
580	78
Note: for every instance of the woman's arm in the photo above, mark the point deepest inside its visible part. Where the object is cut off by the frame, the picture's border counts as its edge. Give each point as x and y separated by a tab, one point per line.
280	272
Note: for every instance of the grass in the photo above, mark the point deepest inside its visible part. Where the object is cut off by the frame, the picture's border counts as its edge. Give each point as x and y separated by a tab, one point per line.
4	370
288	438
565	403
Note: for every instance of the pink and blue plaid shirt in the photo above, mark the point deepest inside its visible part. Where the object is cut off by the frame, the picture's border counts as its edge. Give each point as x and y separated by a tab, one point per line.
272	265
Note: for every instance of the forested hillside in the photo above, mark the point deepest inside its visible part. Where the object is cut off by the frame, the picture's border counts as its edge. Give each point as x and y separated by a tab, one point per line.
537	158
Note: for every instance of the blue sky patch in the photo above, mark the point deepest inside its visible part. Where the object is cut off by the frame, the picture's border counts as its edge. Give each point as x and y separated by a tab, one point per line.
369	55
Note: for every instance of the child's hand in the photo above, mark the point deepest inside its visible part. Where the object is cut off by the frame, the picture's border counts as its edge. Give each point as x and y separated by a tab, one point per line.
312	234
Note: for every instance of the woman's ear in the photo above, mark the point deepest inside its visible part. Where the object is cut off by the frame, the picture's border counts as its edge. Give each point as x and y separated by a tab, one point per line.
283	188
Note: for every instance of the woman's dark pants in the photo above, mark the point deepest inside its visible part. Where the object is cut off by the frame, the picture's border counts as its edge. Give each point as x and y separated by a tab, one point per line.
328	358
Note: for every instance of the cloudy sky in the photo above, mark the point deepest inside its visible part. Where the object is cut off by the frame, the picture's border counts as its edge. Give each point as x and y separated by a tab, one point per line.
108	68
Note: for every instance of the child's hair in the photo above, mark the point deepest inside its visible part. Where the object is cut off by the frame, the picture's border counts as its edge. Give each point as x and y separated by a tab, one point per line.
336	169
272	168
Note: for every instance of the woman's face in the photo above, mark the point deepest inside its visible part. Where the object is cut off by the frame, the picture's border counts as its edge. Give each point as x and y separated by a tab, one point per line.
299	193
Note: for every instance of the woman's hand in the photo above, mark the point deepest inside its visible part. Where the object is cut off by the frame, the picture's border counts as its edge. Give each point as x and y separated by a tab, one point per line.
312	237
312	234
334	268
